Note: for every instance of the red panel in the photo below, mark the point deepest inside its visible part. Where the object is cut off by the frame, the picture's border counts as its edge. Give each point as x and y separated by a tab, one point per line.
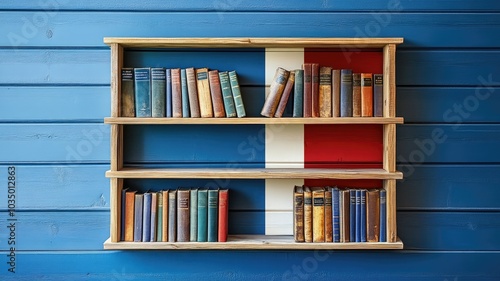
345	183
359	61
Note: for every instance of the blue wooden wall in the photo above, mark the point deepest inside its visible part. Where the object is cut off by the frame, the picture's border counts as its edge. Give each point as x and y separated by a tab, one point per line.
54	94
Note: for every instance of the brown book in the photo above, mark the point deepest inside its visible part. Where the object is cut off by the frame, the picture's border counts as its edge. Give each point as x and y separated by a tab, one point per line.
328	215
366	95
183	215
176	92
129	215
286	95
194	104
345	218
307	102
336	92
356	95
318	214
372	215
223	215
315	89
164	224
154	213
275	92
204	96
308	216
216	94
172	215
325	91
298	213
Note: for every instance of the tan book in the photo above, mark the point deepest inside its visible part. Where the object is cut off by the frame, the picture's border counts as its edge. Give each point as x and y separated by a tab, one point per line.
318	214
275	92
336	92
356	95
328	215
204	96
308	219
372	215
216	94
366	95
298	213
325	91
164	231
129	215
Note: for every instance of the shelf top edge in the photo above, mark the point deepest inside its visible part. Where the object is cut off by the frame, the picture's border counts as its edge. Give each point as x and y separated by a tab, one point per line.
235	42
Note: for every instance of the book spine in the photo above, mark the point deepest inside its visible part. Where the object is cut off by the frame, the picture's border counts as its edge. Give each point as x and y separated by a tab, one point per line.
183	215
138	208
346	200
329	215
341	217
325	91
202	215
372	215
298	213
383	216
216	94
172	215
318	215
194	104
298	93
315	89
154	213
336	93
142	88
363	216
204	96
235	89
227	94
356	94
159	218
223	215
308	216
168	92
212	217
165	223
176	93
193	215
285	95
146	218
378	95
158	79
366	95
128	94
307	67
346	93
184	94
336	214
352	215
357	228
275	91
129	215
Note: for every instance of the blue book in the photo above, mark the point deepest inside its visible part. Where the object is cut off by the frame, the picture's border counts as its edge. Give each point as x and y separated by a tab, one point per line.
202	215
138	208
378	95
158	81
122	221
383	216
168	93
346	93
193	215
363	216
358	217
298	93
184	94
336	215
352	215
227	94
213	215
142	88
146	218
235	88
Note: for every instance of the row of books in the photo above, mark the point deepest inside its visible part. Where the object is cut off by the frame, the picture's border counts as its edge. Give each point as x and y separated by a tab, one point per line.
180	215
175	92
325	92
330	214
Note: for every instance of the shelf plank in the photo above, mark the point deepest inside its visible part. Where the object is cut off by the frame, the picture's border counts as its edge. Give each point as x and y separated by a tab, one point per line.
254	173
252	242
253	120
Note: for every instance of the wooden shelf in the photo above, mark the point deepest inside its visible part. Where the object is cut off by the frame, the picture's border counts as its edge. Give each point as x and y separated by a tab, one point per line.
253	173
252	120
252	242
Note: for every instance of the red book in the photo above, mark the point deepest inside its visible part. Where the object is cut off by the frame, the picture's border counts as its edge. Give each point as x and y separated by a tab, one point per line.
307	67
216	93
286	95
223	214
176	93
315	89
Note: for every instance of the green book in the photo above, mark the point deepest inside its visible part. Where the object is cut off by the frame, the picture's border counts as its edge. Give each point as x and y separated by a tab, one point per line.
193	215
235	88
202	215
213	215
227	94
159	217
298	93
184	94
158	92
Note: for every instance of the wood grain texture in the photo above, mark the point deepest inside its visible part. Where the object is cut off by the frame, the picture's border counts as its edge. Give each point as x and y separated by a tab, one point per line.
255	120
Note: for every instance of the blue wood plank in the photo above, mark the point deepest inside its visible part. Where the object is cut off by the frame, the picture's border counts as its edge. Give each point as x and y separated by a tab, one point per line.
440	104
458	143
449	187
88	28
253	265
54	104
63	143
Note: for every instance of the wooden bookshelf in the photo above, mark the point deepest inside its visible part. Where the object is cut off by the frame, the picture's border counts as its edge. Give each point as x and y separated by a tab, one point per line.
387	173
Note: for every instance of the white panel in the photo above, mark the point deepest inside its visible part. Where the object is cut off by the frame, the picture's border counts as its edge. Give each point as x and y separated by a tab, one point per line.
284	146
279	223
290	58
279	194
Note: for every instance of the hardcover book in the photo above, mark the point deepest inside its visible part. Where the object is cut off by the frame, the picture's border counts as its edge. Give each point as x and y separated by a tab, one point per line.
216	93
128	93
235	89
329	214
204	96
366	95
378	95
193	215
159	217
184	94
298	93
307	101
318	214
138	208
202	215
356	94
298	213
168	92
372	215
172	215
285	95
165	223
142	88
183	215
227	94
325	91
275	91
336	92
129	215
346	93
315	89
194	104
308	215
383	216
158	80
345	216
363	216
154	213
335	214
357	228
223	215
352	215
212	217
176	92
146	218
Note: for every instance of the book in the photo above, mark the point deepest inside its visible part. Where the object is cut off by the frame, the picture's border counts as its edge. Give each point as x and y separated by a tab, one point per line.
172	215
193	215
325	91
372	215
363	216
378	95
122	214
298	93
202	215
275	91
194	104
154	213
336	92
184	94
335	211
383	216
315	90
146	218
285	95
216	94
235	89
165	223
129	215
212	216
175	74
298	213
307	101
345	216
329	214
204	97
158	80
308	216
356	94
223	215
142	87
346	93
138	208
159	217
357	228
352	215
318	214
183	215
366	95
168	92
227	94
127	93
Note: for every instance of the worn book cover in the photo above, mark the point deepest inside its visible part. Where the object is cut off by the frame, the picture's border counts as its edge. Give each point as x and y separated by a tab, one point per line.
308	215
372	215
285	96
325	91
204	97
275	91
158	82
142	88
194	104
336	92
129	215
128	93
346	93
193	215
176	92
235	89
315	89
223	215
298	213
227	94
356	94
318	214
202	215
146	217
329	214
378	95
298	93
172	215
212	217
184	94
366	95
216	94
183	215
138	208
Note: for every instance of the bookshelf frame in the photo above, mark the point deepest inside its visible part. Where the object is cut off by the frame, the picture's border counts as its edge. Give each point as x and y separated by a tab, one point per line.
388	173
